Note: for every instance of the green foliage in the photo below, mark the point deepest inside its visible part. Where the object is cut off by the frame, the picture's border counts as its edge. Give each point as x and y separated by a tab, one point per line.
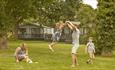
87	15
19	9
105	31
12	13
5	21
52	11
47	11
44	11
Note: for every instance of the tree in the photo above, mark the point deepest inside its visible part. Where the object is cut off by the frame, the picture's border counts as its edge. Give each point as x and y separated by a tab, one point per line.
86	15
19	10
5	24
11	15
105	31
54	10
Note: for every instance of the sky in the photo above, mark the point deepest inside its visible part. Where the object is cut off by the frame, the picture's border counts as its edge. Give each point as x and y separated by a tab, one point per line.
92	3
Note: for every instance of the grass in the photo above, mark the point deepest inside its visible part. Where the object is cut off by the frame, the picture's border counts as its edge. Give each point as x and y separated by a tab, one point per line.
59	60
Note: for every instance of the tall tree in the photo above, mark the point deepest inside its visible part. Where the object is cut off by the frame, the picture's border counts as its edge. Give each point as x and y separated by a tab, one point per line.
5	24
12	14
105	31
86	15
19	10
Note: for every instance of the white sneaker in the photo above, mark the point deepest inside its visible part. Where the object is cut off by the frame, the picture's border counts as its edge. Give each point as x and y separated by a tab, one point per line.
72	65
30	61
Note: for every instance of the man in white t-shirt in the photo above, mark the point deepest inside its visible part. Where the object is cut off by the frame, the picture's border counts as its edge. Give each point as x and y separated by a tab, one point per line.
75	41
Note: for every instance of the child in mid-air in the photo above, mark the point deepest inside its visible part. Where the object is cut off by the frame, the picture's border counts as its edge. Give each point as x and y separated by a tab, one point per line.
90	48
57	34
21	53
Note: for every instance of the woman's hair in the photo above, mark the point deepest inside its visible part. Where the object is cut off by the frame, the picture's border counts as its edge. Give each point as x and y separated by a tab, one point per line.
24	46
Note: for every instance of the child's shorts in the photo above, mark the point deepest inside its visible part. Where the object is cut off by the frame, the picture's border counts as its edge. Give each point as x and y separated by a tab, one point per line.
91	55
90	52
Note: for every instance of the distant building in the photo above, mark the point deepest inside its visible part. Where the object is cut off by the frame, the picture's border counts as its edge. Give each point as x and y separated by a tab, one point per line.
41	32
34	31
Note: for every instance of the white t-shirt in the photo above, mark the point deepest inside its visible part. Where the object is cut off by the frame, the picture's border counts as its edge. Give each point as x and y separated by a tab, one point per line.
75	36
90	46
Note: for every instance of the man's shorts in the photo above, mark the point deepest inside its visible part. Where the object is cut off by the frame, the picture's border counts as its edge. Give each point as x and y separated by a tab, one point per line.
75	47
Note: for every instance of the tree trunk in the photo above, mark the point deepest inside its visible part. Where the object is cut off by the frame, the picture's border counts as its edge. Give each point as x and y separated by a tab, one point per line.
3	42
15	32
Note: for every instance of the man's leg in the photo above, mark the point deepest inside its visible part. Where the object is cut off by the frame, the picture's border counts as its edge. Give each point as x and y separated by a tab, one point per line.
73	60
74	55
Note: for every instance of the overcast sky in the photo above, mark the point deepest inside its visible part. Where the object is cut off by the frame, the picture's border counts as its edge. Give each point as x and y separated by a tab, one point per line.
92	3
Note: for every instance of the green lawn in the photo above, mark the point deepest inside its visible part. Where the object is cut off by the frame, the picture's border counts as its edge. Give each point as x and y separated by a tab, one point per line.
59	60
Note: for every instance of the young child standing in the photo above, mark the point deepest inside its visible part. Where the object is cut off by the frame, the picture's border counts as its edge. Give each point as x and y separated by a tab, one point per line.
90	48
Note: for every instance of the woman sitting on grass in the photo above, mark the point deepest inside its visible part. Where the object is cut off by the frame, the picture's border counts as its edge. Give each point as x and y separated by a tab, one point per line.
21	53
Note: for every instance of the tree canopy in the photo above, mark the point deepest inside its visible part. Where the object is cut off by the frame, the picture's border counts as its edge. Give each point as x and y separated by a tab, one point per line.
105	29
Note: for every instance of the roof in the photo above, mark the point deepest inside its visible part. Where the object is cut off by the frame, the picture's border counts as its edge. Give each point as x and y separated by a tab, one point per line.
34	24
